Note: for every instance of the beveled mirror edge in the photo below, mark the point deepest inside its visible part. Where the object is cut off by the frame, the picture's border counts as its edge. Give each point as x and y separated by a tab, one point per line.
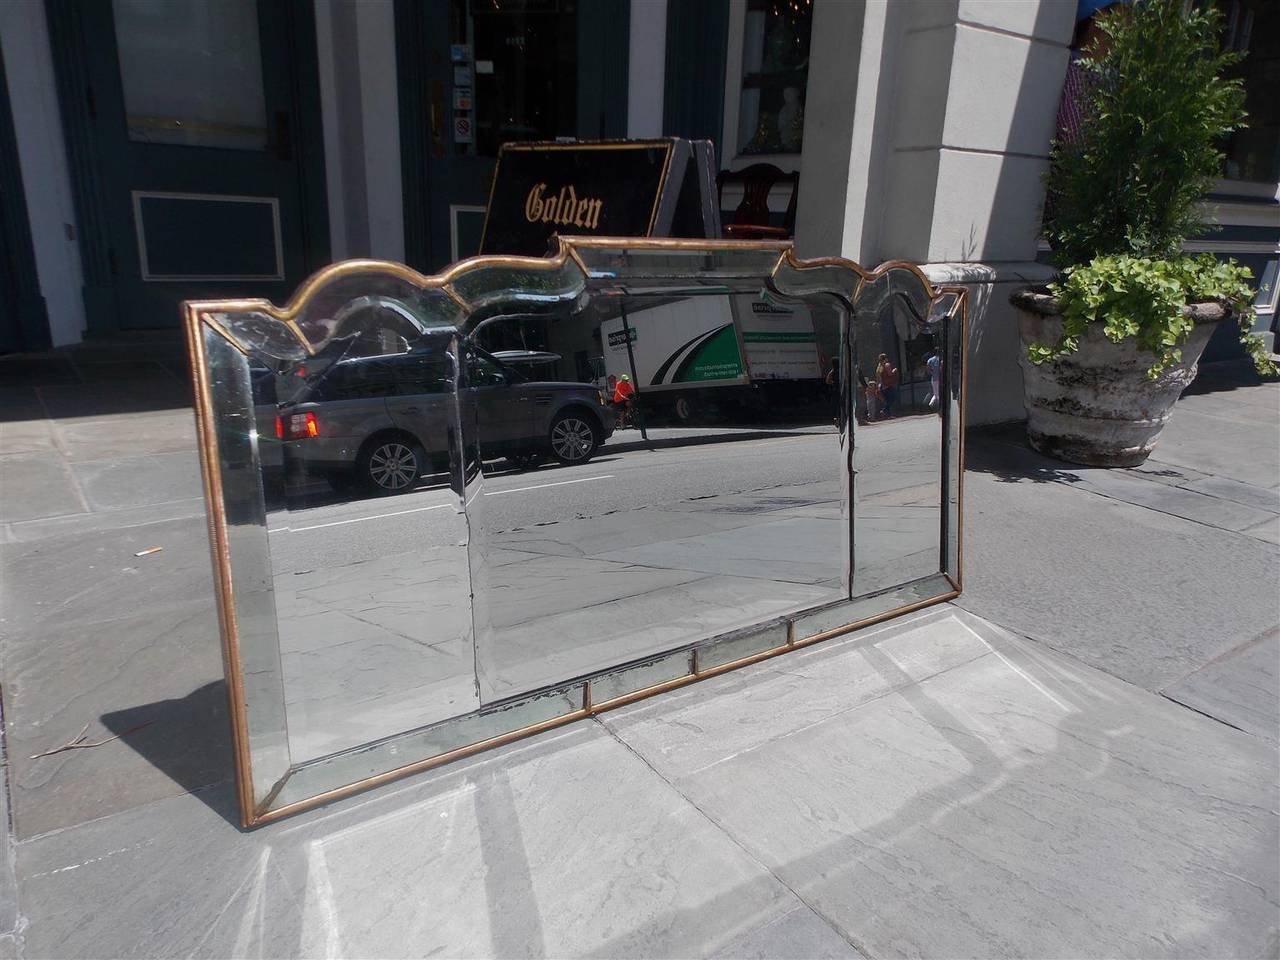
216	521
696	674
197	314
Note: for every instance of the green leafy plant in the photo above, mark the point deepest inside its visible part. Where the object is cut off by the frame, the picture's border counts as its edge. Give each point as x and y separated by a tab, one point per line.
1142	299
1127	191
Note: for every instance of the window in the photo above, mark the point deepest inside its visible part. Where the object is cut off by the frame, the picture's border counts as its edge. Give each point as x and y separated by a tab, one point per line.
774	77
356	380
522	56
416	374
192	72
1252	27
1268	290
484	372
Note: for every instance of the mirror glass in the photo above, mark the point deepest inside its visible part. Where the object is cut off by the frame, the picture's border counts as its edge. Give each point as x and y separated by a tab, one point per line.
359	461
897	462
451	511
659	467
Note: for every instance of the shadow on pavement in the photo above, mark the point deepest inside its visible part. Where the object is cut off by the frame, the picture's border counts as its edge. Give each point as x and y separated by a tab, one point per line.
710	436
1225	375
1002	452
126	373
189	740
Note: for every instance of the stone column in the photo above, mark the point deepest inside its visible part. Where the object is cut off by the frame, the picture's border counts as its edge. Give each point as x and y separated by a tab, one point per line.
948	129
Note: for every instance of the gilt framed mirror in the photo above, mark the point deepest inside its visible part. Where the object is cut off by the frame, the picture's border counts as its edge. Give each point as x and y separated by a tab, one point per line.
447	512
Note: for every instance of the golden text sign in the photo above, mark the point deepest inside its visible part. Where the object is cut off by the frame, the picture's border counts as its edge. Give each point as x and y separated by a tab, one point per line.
565	209
603	189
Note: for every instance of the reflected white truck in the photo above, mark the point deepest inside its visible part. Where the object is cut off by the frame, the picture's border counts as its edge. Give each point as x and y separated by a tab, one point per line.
710	352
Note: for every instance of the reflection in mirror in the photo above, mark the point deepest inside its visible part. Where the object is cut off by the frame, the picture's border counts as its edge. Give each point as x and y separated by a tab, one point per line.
233	407
362	471
898	369
448	512
592	547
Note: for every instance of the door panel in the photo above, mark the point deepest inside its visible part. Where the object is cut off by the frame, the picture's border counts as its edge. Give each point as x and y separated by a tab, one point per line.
503	406
192	116
492	73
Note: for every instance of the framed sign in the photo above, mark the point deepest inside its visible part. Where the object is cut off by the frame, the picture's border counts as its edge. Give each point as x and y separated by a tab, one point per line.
622	188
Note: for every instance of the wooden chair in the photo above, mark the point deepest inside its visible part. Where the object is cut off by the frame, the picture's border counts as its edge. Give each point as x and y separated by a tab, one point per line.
751	219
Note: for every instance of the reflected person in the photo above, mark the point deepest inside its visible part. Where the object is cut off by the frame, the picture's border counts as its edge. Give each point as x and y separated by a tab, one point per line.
887	381
623	393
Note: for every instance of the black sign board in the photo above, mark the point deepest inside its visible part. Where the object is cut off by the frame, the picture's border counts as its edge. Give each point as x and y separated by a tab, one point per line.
622	188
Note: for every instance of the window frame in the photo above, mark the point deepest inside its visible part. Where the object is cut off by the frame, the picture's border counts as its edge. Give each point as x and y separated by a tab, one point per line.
732	159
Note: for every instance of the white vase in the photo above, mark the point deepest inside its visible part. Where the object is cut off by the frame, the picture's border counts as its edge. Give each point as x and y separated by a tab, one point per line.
1096	406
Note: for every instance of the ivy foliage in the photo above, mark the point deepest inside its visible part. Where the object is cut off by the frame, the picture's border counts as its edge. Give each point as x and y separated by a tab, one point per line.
1141	299
1126	192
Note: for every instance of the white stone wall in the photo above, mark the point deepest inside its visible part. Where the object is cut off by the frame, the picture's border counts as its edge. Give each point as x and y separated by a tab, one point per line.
646	68
947	130
359	105
42	155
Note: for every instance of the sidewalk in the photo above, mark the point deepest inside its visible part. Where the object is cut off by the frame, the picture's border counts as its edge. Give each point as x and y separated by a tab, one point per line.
1078	758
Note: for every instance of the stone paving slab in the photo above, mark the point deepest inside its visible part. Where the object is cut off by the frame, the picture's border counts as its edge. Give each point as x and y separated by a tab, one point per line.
1012	803
37	485
1215	501
80	524
85	577
1235	445
1018	805
123	482
26	435
1262	498
487	858
798	935
1241	688
155	679
1137	593
1268	530
683	733
82	401
132	435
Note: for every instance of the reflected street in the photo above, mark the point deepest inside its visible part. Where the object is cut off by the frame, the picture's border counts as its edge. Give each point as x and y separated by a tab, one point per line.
633	553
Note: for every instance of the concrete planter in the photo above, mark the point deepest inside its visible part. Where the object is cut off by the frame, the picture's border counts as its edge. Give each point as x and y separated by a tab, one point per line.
1096	406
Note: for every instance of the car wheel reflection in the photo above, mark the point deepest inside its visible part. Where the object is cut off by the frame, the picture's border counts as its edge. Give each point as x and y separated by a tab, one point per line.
573	439
392	466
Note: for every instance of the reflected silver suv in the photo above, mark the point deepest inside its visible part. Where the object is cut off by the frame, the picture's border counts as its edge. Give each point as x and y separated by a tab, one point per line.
383	422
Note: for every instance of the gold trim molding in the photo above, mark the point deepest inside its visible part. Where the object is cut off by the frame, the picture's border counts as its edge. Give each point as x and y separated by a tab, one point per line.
569	257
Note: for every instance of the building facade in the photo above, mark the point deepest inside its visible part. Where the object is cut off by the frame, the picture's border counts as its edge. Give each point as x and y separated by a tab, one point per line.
155	150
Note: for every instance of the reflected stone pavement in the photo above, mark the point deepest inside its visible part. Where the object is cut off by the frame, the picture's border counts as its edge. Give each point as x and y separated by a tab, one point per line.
634	555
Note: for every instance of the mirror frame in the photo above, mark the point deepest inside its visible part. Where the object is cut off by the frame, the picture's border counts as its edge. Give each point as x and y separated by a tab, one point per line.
580	697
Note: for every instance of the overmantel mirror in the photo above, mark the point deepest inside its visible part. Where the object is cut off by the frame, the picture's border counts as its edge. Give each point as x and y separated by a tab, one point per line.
447	512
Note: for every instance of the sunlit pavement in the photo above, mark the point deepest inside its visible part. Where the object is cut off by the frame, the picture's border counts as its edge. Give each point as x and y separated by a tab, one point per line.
1077	759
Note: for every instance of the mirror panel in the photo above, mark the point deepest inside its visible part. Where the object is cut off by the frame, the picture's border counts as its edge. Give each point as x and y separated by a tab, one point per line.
247	607
593	546
450	511
897	458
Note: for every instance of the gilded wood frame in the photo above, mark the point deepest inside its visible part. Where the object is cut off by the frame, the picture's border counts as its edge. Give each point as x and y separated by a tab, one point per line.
198	314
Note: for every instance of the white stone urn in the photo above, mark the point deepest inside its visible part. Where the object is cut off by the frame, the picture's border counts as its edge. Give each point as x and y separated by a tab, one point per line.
1096	406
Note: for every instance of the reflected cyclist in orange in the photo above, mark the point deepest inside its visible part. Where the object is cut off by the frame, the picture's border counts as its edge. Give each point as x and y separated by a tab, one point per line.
623	391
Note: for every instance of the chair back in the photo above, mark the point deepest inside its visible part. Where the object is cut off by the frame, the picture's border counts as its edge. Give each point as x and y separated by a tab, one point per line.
751	218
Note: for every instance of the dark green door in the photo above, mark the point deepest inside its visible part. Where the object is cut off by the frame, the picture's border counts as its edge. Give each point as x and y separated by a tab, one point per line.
23	323
482	74
193	126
